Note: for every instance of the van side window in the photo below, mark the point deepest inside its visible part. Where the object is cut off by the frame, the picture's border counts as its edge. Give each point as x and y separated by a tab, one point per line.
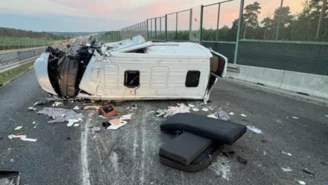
132	79
192	79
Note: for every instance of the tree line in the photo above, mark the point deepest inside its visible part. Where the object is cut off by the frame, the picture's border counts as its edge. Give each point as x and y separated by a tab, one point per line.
17	33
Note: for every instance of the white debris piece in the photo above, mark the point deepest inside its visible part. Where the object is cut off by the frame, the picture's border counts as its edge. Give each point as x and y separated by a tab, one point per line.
288	169
76	125
301	182
60	114
264	153
22	137
294	117
115	127
205	109
19	127
231	113
195	109
254	129
57	103
243	115
76	108
222	115
95	129
171	110
126	117
191	105
286	153
31	108
33	122
71	122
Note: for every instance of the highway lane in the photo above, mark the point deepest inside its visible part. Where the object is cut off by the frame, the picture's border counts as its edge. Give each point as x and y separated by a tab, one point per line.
75	155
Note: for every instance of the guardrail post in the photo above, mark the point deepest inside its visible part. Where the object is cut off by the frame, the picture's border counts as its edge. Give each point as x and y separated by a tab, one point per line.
241	10
166	27
176	26
201	24
218	22
190	24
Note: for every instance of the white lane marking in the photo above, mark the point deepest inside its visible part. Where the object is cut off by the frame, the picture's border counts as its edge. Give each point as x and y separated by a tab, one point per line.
84	154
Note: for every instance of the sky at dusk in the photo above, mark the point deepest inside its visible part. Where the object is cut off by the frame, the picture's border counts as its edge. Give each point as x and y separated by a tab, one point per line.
104	15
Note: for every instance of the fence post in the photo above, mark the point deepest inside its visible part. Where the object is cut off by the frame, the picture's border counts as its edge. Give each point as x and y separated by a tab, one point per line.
201	24
279	20
155	28
176	26
190	24
241	10
147	34
166	27
218	22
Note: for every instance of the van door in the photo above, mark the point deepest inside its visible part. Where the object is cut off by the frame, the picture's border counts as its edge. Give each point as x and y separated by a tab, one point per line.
218	68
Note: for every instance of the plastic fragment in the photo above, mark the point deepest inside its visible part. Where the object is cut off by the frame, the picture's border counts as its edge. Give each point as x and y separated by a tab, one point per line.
126	117
191	105
60	114
195	109
76	108
288	169
254	129
301	182
33	122
326	116
205	109
231	113
31	108
243	115
95	129
286	153
115	127
71	122
76	125
294	117
222	115
19	127
212	116
12	160
24	138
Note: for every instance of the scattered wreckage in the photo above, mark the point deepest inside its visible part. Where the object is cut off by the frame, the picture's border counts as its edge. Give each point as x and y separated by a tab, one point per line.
131	69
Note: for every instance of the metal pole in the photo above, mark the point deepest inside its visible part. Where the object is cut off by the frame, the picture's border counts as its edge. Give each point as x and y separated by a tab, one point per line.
279	20
160	26
190	24
155	28
239	28
166	27
147	30
176	26
218	22
201	24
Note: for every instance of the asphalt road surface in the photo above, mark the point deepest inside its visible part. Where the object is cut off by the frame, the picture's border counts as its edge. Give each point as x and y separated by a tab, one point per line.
74	155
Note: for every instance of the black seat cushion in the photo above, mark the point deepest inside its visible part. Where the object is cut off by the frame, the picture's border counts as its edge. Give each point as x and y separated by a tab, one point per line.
214	129
185	148
200	163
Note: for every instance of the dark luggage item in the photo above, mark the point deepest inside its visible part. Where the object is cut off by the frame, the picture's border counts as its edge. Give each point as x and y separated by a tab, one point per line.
200	163
185	148
214	129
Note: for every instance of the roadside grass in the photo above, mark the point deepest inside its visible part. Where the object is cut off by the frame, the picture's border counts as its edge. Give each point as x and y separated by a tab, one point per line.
11	74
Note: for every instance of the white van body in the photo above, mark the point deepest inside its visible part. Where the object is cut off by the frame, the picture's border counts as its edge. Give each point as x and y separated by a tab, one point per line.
134	69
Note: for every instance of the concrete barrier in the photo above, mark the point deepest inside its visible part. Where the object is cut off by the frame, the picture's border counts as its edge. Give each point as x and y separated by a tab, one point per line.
313	85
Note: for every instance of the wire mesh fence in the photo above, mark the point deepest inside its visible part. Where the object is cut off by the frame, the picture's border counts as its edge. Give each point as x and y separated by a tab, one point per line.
235	27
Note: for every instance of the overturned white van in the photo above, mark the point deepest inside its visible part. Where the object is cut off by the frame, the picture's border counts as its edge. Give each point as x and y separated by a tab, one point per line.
132	69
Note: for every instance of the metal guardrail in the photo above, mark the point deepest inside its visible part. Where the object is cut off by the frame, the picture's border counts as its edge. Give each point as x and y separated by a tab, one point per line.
9	59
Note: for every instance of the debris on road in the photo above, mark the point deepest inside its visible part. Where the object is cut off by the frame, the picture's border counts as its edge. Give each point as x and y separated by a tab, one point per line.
60	114
76	108
57	103
286	153
264	153
231	113
134	107
22	137
242	160
212	116
12	160
195	109
102	117
31	108
288	169
76	125
308	172
71	122
171	110
326	116
222	115
205	109
243	115
33	122
115	127
91	107
254	129
191	105
126	117
106	124
108	111
301	182
294	117
19	127
95	129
